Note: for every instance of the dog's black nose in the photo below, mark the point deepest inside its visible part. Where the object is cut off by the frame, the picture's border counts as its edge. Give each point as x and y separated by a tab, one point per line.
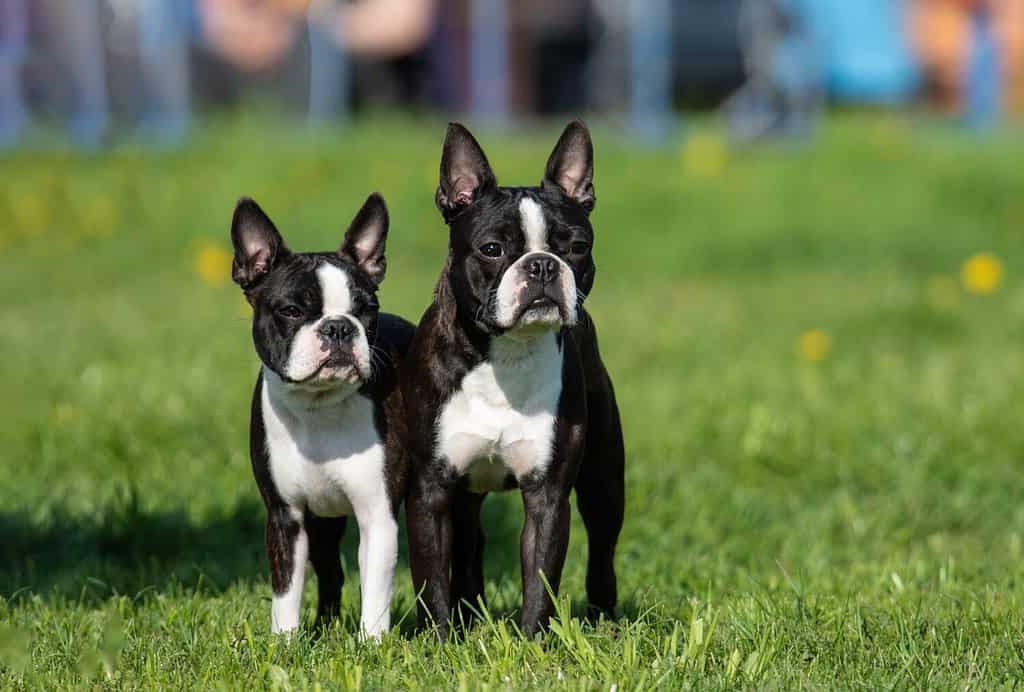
338	331
542	268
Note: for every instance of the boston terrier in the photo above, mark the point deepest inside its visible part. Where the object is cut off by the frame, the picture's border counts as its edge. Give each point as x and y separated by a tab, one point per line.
326	413
504	386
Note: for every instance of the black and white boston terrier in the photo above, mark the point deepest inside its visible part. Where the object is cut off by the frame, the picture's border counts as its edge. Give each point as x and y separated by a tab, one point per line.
326	413
504	386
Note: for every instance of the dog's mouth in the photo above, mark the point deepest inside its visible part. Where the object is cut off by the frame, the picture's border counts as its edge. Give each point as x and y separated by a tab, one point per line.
333	369
527	304
541	303
543	311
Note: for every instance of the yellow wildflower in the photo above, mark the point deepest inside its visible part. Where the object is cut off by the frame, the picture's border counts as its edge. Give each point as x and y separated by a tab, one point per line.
705	156
982	273
212	263
814	345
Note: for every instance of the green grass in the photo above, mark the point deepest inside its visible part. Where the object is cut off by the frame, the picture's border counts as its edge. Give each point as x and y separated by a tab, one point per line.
851	523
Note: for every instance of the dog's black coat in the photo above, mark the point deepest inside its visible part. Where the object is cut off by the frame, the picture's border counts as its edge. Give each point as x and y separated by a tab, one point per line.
274	278
446	540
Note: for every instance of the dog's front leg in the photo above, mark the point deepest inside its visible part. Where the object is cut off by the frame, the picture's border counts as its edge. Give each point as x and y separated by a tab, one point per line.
288	550
429	522
542	549
378	554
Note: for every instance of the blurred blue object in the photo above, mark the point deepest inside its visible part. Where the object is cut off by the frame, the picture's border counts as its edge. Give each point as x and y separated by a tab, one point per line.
868	56
984	74
488	62
13	114
81	56
329	70
782	53
165	34
79	25
650	53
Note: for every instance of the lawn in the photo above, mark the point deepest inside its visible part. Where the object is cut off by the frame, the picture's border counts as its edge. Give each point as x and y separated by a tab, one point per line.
820	401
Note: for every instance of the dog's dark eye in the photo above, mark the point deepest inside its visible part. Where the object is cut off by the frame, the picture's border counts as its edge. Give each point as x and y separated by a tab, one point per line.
292	312
492	250
579	248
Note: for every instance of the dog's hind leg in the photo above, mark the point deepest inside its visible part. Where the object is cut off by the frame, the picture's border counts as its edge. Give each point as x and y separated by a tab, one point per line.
467	553
600	496
324	553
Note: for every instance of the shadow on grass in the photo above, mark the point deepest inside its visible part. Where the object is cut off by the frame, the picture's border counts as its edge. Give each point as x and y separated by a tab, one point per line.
124	548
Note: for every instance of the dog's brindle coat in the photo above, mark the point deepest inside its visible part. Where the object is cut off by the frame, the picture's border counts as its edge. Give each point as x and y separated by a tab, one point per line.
461	343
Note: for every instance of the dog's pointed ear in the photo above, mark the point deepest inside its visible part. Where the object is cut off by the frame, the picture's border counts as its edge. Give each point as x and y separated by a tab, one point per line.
366	236
258	245
571	165
465	172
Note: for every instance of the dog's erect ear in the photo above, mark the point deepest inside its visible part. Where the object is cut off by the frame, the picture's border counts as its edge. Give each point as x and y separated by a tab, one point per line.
365	238
465	172
257	244
571	165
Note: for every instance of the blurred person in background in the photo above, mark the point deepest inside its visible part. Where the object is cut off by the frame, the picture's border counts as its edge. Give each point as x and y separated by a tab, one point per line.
62	43
252	35
158	56
945	35
784	63
242	39
557	39
385	40
207	45
13	42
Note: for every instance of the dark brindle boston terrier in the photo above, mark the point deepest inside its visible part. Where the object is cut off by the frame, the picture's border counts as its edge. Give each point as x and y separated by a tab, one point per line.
326	413
504	385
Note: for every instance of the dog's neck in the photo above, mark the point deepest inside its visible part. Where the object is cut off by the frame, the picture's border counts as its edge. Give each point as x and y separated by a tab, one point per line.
521	345
300	400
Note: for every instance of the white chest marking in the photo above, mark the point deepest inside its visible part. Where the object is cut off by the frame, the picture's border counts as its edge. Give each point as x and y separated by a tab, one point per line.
501	421
534	226
329	459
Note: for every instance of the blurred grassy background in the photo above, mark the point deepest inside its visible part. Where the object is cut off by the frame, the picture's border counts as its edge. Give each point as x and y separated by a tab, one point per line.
819	386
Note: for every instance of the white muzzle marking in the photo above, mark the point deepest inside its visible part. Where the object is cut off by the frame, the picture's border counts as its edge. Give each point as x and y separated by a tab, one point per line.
509	311
307	355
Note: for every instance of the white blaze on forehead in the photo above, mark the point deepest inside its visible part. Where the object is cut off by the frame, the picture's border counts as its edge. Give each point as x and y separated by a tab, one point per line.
513	284
535	228
307	349
335	289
